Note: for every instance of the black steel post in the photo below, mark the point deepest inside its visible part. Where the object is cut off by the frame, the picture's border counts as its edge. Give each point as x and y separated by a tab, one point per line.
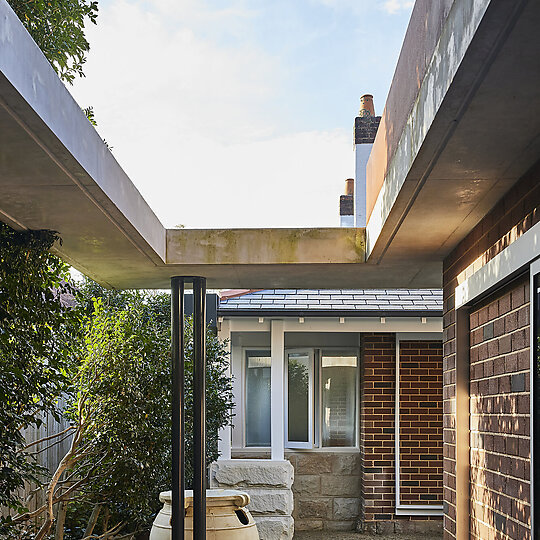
177	345
199	406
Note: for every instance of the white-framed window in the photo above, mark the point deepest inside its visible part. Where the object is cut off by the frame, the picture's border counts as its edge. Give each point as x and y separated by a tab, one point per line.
321	397
299	398
257	398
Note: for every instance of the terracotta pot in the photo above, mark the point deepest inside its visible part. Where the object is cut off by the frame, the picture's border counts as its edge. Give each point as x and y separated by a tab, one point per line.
226	517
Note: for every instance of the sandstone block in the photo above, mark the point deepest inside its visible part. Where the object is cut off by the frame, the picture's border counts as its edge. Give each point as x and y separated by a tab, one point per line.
347	464
275	528
314	508
340	525
251	472
340	486
315	463
308	524
346	508
309	484
270	501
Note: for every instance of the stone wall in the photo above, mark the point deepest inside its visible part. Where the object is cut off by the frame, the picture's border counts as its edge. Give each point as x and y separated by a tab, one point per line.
327	490
268	484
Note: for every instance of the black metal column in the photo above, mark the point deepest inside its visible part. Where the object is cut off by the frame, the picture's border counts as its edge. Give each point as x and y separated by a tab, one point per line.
199	406
177	345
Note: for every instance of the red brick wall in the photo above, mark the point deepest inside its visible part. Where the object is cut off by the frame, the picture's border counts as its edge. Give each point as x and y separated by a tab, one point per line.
420	404
516	213
499	409
377	427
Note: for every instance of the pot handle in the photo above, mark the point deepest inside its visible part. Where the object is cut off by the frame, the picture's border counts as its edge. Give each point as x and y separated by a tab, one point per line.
241	500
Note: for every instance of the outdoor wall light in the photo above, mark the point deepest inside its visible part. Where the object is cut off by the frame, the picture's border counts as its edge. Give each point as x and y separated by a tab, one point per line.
301	320
383	320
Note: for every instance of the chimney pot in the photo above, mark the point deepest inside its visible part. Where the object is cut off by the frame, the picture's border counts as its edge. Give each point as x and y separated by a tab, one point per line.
366	106
349	186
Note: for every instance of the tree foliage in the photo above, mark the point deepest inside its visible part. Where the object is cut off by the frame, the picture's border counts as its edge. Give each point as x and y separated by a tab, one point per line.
57	27
38	331
107	353
125	378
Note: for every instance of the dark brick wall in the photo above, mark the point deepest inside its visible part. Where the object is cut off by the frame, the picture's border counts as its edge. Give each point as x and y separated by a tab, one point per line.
499	409
365	129
515	213
346	205
420	426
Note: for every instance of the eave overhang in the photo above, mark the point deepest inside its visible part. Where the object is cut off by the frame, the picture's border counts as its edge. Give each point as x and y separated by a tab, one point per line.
461	126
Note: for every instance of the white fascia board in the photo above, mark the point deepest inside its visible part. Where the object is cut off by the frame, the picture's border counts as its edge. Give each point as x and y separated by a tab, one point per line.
332	324
518	255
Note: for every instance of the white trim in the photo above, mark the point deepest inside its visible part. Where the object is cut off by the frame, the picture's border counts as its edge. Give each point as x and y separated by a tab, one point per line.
225	433
515	257
420	510
409	509
332	324
237	360
534	270
277	379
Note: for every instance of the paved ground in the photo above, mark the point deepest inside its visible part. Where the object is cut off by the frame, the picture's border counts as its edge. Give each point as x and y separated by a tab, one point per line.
324	535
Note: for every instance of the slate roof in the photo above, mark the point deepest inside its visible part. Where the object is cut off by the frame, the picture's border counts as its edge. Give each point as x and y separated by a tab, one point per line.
322	301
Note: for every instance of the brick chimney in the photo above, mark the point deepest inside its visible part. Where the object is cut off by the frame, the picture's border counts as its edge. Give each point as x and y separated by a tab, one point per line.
365	129
346	205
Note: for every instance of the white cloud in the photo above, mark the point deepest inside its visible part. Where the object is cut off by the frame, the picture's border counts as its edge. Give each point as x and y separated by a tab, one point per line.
394	6
191	108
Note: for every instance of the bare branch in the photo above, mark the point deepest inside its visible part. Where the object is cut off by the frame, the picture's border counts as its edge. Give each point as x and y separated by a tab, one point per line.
49	437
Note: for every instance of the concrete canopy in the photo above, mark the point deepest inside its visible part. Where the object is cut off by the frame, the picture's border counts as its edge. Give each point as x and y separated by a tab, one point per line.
56	173
439	163
461	125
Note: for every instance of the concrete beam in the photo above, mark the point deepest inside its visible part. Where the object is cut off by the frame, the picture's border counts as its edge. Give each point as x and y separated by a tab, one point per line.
464	132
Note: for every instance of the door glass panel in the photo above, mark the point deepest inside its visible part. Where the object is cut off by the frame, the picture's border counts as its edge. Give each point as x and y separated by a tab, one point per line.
258	398
338	390
298	372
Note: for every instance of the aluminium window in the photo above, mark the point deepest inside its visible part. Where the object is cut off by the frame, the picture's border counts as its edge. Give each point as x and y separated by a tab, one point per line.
321	398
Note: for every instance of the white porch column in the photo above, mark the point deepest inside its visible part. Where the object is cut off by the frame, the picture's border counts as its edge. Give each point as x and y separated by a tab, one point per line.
277	394
224	434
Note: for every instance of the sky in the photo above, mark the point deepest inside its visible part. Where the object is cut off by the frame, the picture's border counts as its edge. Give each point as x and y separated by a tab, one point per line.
239	113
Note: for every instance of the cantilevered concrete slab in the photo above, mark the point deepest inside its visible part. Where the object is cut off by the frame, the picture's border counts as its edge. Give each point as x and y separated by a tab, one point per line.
56	173
461	125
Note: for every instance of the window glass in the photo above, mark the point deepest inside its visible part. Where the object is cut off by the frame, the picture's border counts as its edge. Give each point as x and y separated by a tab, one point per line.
258	398
298	367
338	392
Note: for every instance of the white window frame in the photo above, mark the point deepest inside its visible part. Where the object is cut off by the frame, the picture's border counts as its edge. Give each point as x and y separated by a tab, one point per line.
315	426
311	401
357	404
245	351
